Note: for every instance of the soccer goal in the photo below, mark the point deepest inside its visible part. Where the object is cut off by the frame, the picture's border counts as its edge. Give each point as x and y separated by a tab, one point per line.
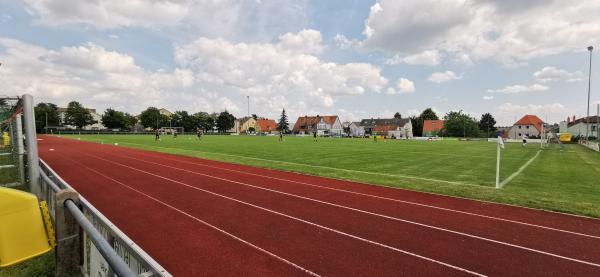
171	130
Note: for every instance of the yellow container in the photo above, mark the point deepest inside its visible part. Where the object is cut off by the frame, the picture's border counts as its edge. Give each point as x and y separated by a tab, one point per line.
22	232
5	139
565	137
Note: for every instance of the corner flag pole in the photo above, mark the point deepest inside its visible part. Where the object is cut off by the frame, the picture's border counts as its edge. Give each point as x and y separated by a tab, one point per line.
498	149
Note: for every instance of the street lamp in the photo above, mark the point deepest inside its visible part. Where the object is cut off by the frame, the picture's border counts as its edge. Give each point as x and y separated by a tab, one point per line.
587	119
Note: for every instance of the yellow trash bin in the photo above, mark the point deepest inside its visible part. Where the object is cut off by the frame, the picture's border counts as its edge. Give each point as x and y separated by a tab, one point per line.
5	139
22	232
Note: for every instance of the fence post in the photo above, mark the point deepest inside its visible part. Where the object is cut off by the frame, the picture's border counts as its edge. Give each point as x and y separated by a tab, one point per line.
32	150
67	236
20	150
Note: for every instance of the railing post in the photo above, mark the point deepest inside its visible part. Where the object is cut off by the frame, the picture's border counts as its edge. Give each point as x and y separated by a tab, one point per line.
31	140
67	236
20	150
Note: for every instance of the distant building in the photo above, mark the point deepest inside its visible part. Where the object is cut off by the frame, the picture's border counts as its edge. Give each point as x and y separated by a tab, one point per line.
328	125
266	126
389	127
246	125
164	111
96	126
529	125
432	128
577	127
355	130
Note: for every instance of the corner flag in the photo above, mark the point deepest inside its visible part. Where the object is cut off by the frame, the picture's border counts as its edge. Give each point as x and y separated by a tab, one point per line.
500	146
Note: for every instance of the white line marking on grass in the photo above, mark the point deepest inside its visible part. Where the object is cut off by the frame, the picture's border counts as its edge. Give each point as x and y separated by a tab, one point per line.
365	212
323	167
516	173
204	222
380	197
293	218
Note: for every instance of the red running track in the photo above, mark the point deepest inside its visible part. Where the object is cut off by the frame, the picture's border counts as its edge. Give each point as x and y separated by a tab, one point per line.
201	217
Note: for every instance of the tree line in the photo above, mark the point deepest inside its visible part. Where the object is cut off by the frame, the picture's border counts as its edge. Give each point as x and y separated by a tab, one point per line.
77	116
458	124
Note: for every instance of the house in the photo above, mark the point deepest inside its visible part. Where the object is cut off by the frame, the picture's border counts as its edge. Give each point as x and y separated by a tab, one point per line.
246	125
266	126
97	117
355	130
577	127
529	125
164	111
432	128
328	125
389	127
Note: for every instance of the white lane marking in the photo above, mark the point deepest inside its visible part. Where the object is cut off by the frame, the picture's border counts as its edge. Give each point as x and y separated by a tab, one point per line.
324	167
293	218
516	173
378	215
203	222
391	199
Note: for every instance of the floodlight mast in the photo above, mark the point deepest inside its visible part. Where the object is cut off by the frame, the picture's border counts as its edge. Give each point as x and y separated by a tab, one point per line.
587	119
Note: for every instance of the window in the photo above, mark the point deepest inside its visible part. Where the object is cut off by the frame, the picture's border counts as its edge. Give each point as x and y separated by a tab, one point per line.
519	133
519	128
527	126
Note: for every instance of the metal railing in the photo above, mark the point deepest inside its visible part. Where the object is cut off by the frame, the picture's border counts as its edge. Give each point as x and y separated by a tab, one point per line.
118	254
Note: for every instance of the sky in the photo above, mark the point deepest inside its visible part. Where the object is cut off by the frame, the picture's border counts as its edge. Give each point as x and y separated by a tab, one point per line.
355	59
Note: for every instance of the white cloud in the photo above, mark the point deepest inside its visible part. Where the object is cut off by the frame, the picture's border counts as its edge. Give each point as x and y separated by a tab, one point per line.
509	32
441	77
488	97
429	57
304	42
228	19
553	74
344	43
403	86
507	113
519	89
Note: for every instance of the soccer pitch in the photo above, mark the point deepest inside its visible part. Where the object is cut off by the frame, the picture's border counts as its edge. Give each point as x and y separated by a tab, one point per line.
565	181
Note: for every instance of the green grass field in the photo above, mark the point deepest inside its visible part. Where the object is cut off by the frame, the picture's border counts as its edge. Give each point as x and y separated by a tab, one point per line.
565	181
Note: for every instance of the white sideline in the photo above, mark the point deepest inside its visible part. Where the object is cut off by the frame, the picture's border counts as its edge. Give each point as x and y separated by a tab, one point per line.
516	173
295	218
385	198
324	167
366	212
203	222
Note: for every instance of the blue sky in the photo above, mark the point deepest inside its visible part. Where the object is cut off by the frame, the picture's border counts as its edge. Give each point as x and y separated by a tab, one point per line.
356	59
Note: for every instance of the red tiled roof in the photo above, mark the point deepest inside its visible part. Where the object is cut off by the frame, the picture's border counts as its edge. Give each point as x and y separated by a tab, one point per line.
266	125
530	119
433	125
310	122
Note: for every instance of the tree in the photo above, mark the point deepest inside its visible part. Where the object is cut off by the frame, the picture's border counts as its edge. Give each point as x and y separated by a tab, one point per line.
41	111
459	124
77	115
254	116
397	115
428	114
151	118
417	122
113	119
487	124
185	120
203	121
225	121
283	125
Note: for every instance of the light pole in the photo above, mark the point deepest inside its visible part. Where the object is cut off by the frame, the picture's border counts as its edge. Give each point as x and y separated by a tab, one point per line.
587	119
248	97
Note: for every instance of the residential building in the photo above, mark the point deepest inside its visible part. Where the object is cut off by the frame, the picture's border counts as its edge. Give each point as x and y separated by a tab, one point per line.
529	125
355	130
164	111
266	126
97	117
577	127
246	125
328	125
389	127
432	128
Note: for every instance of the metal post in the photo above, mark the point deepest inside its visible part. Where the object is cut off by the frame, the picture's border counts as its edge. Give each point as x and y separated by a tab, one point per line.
498	164
31	142
598	123
248	96
20	149
587	119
